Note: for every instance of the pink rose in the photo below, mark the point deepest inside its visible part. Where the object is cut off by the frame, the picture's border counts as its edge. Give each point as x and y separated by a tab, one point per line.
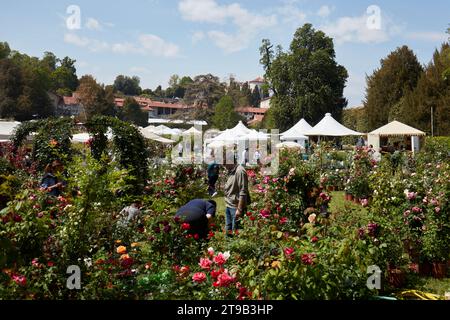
205	263
199	277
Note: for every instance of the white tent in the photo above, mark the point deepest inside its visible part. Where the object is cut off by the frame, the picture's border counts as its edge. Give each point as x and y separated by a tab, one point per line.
152	136
392	129
297	132
7	129
84	137
162	129
289	145
191	131
328	126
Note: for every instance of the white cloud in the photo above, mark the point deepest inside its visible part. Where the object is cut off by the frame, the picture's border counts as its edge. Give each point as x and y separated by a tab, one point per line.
157	46
198	36
324	11
93	24
92	44
428	36
291	14
147	44
209	11
355	29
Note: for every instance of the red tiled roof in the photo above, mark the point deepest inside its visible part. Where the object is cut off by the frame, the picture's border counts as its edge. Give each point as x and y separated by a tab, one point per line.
252	110
70	100
148	104
259	79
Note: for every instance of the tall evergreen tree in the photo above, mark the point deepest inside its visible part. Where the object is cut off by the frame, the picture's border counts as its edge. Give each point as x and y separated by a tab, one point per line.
398	74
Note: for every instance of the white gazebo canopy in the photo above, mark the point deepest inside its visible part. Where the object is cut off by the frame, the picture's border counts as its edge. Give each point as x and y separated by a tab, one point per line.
7	129
328	126
297	132
396	128
84	137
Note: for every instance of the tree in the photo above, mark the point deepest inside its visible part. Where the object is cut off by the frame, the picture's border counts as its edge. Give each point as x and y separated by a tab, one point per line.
256	97
224	114
94	99
10	88
128	86
64	78
133	113
306	80
205	91
158	92
398	74
4	50
431	93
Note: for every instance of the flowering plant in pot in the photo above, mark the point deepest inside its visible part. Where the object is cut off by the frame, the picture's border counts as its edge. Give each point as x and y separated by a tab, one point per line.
435	248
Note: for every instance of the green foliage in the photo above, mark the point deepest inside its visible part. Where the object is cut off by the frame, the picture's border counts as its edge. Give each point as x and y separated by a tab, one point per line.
129	146
52	140
133	113
128	86
224	114
398	74
306	80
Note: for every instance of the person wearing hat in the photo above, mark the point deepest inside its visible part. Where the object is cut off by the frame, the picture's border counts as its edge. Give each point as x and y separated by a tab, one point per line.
198	213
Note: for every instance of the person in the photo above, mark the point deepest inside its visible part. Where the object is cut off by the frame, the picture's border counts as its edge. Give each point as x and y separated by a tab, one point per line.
257	157
50	181
213	176
130	214
371	150
244	158
180	150
198	213
237	196
376	155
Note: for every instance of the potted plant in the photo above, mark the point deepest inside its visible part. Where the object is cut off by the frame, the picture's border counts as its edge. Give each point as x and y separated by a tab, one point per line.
435	249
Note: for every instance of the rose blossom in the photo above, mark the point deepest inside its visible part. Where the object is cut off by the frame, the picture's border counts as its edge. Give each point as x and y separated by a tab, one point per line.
211	251
314	239
205	263
185	226
288	251
20	280
199	277
264	213
312	218
224	280
308	258
283	220
221	258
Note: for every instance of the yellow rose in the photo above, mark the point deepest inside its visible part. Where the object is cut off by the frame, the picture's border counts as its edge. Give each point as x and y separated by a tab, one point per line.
276	264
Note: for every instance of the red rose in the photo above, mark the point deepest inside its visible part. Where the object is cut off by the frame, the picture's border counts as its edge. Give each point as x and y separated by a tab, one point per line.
185	226
314	239
17	218
215	273
20	280
196	236
50	264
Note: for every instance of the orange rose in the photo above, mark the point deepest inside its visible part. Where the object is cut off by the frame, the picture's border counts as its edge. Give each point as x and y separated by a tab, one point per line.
124	256
134	244
121	250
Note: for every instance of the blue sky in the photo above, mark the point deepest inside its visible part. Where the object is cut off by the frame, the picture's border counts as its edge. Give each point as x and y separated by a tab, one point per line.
154	39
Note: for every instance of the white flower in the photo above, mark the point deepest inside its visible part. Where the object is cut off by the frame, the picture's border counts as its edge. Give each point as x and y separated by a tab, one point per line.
210	251
88	262
226	255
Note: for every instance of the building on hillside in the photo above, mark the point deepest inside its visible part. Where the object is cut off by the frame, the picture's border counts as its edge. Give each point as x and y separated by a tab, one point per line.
252	115
258	82
70	106
156	109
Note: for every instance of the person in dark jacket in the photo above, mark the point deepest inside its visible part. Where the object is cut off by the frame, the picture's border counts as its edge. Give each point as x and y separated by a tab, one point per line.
198	213
50	181
213	176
